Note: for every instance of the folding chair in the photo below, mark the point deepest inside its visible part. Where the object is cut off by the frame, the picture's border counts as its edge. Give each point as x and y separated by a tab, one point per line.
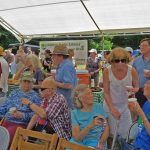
4	138
64	144
47	141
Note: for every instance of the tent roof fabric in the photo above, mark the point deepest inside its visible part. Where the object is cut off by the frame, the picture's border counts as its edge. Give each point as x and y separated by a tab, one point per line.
35	17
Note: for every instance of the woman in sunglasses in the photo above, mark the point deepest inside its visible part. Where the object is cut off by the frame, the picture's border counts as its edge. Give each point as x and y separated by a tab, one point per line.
116	78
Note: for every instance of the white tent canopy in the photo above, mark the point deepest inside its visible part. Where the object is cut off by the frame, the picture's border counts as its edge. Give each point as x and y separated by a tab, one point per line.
31	18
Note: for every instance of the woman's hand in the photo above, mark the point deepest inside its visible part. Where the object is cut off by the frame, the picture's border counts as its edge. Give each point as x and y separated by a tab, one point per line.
115	113
97	120
134	107
17	114
25	101
100	146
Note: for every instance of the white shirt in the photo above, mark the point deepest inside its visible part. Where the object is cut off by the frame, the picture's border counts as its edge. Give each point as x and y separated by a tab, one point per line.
4	75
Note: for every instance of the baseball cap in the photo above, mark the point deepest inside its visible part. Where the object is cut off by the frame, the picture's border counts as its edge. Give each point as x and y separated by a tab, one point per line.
93	51
27	75
129	49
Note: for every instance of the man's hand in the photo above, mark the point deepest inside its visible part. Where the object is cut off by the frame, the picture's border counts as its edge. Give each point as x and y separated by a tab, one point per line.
17	114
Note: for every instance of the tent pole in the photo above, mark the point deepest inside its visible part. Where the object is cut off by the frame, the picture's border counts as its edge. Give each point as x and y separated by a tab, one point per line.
100	31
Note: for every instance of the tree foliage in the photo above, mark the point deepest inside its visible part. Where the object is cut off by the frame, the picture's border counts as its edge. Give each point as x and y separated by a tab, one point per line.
6	38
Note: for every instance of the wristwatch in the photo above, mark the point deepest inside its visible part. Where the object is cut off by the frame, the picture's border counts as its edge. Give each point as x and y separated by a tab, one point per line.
29	104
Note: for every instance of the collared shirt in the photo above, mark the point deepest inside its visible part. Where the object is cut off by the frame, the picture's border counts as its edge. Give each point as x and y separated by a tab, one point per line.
140	64
66	73
14	100
59	117
4	75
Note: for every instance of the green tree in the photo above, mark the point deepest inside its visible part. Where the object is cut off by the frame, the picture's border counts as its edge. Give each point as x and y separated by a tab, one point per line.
6	38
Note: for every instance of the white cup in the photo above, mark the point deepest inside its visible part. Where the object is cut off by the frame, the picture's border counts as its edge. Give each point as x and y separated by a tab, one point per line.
12	109
132	100
129	87
146	70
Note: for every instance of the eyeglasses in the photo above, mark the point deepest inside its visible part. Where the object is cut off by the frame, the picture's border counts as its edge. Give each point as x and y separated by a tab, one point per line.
42	89
119	60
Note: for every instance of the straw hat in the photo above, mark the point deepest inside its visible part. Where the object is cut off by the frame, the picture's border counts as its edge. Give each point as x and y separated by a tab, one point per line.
60	49
49	83
1	51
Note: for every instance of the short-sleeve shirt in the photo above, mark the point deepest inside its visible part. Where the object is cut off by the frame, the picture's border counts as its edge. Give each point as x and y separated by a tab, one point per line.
143	138
66	73
85	118
140	64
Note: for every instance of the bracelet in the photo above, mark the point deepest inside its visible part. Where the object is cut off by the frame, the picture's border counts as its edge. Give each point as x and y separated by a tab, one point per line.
29	104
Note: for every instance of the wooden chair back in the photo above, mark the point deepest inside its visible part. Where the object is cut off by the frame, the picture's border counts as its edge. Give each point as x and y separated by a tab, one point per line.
64	144
45	141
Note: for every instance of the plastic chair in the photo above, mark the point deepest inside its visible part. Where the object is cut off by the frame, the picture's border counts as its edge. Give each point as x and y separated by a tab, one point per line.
64	144
45	141
4	138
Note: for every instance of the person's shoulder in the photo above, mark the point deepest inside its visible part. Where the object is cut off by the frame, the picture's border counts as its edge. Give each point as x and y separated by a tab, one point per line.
137	59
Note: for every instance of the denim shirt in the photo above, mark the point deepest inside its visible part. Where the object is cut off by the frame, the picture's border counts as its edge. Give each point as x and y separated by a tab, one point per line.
66	73
14	100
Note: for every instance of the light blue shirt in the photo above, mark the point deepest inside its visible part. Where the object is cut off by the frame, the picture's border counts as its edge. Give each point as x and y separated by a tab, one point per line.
66	73
85	118
140	64
14	100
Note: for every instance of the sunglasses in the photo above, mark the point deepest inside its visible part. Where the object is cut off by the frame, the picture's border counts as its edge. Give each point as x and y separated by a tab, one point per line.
42	89
119	60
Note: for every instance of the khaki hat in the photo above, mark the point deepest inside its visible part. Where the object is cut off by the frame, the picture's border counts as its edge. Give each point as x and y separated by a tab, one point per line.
2	51
27	75
49	83
60	49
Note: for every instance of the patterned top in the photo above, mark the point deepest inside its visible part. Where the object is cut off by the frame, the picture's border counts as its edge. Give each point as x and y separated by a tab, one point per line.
14	100
59	116
93	65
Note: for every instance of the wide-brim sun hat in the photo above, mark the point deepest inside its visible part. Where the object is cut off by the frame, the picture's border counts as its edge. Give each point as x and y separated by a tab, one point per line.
60	49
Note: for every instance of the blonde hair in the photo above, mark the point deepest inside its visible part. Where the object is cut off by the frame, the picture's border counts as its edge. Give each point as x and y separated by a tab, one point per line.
77	92
117	53
35	61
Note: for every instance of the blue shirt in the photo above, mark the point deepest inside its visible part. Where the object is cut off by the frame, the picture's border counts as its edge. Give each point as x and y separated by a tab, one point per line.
143	139
85	118
14	100
140	64
66	73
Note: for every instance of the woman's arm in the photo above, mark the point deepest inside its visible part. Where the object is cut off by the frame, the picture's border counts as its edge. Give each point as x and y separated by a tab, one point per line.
37	109
135	80
32	121
78	134
105	135
107	96
135	107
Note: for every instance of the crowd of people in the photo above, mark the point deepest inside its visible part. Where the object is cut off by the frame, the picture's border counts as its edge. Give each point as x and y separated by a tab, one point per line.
58	104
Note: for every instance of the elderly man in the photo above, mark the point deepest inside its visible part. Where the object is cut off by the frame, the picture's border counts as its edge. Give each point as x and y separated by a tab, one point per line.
142	66
54	110
13	112
66	78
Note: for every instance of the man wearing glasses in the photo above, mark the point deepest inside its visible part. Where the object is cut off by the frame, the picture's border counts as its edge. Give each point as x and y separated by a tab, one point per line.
54	113
142	66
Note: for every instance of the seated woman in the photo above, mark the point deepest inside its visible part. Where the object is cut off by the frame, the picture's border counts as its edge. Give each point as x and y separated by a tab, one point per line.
89	120
56	113
14	114
143	138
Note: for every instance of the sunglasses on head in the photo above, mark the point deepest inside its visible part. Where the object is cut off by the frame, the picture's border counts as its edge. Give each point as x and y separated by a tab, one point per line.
119	60
42	89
